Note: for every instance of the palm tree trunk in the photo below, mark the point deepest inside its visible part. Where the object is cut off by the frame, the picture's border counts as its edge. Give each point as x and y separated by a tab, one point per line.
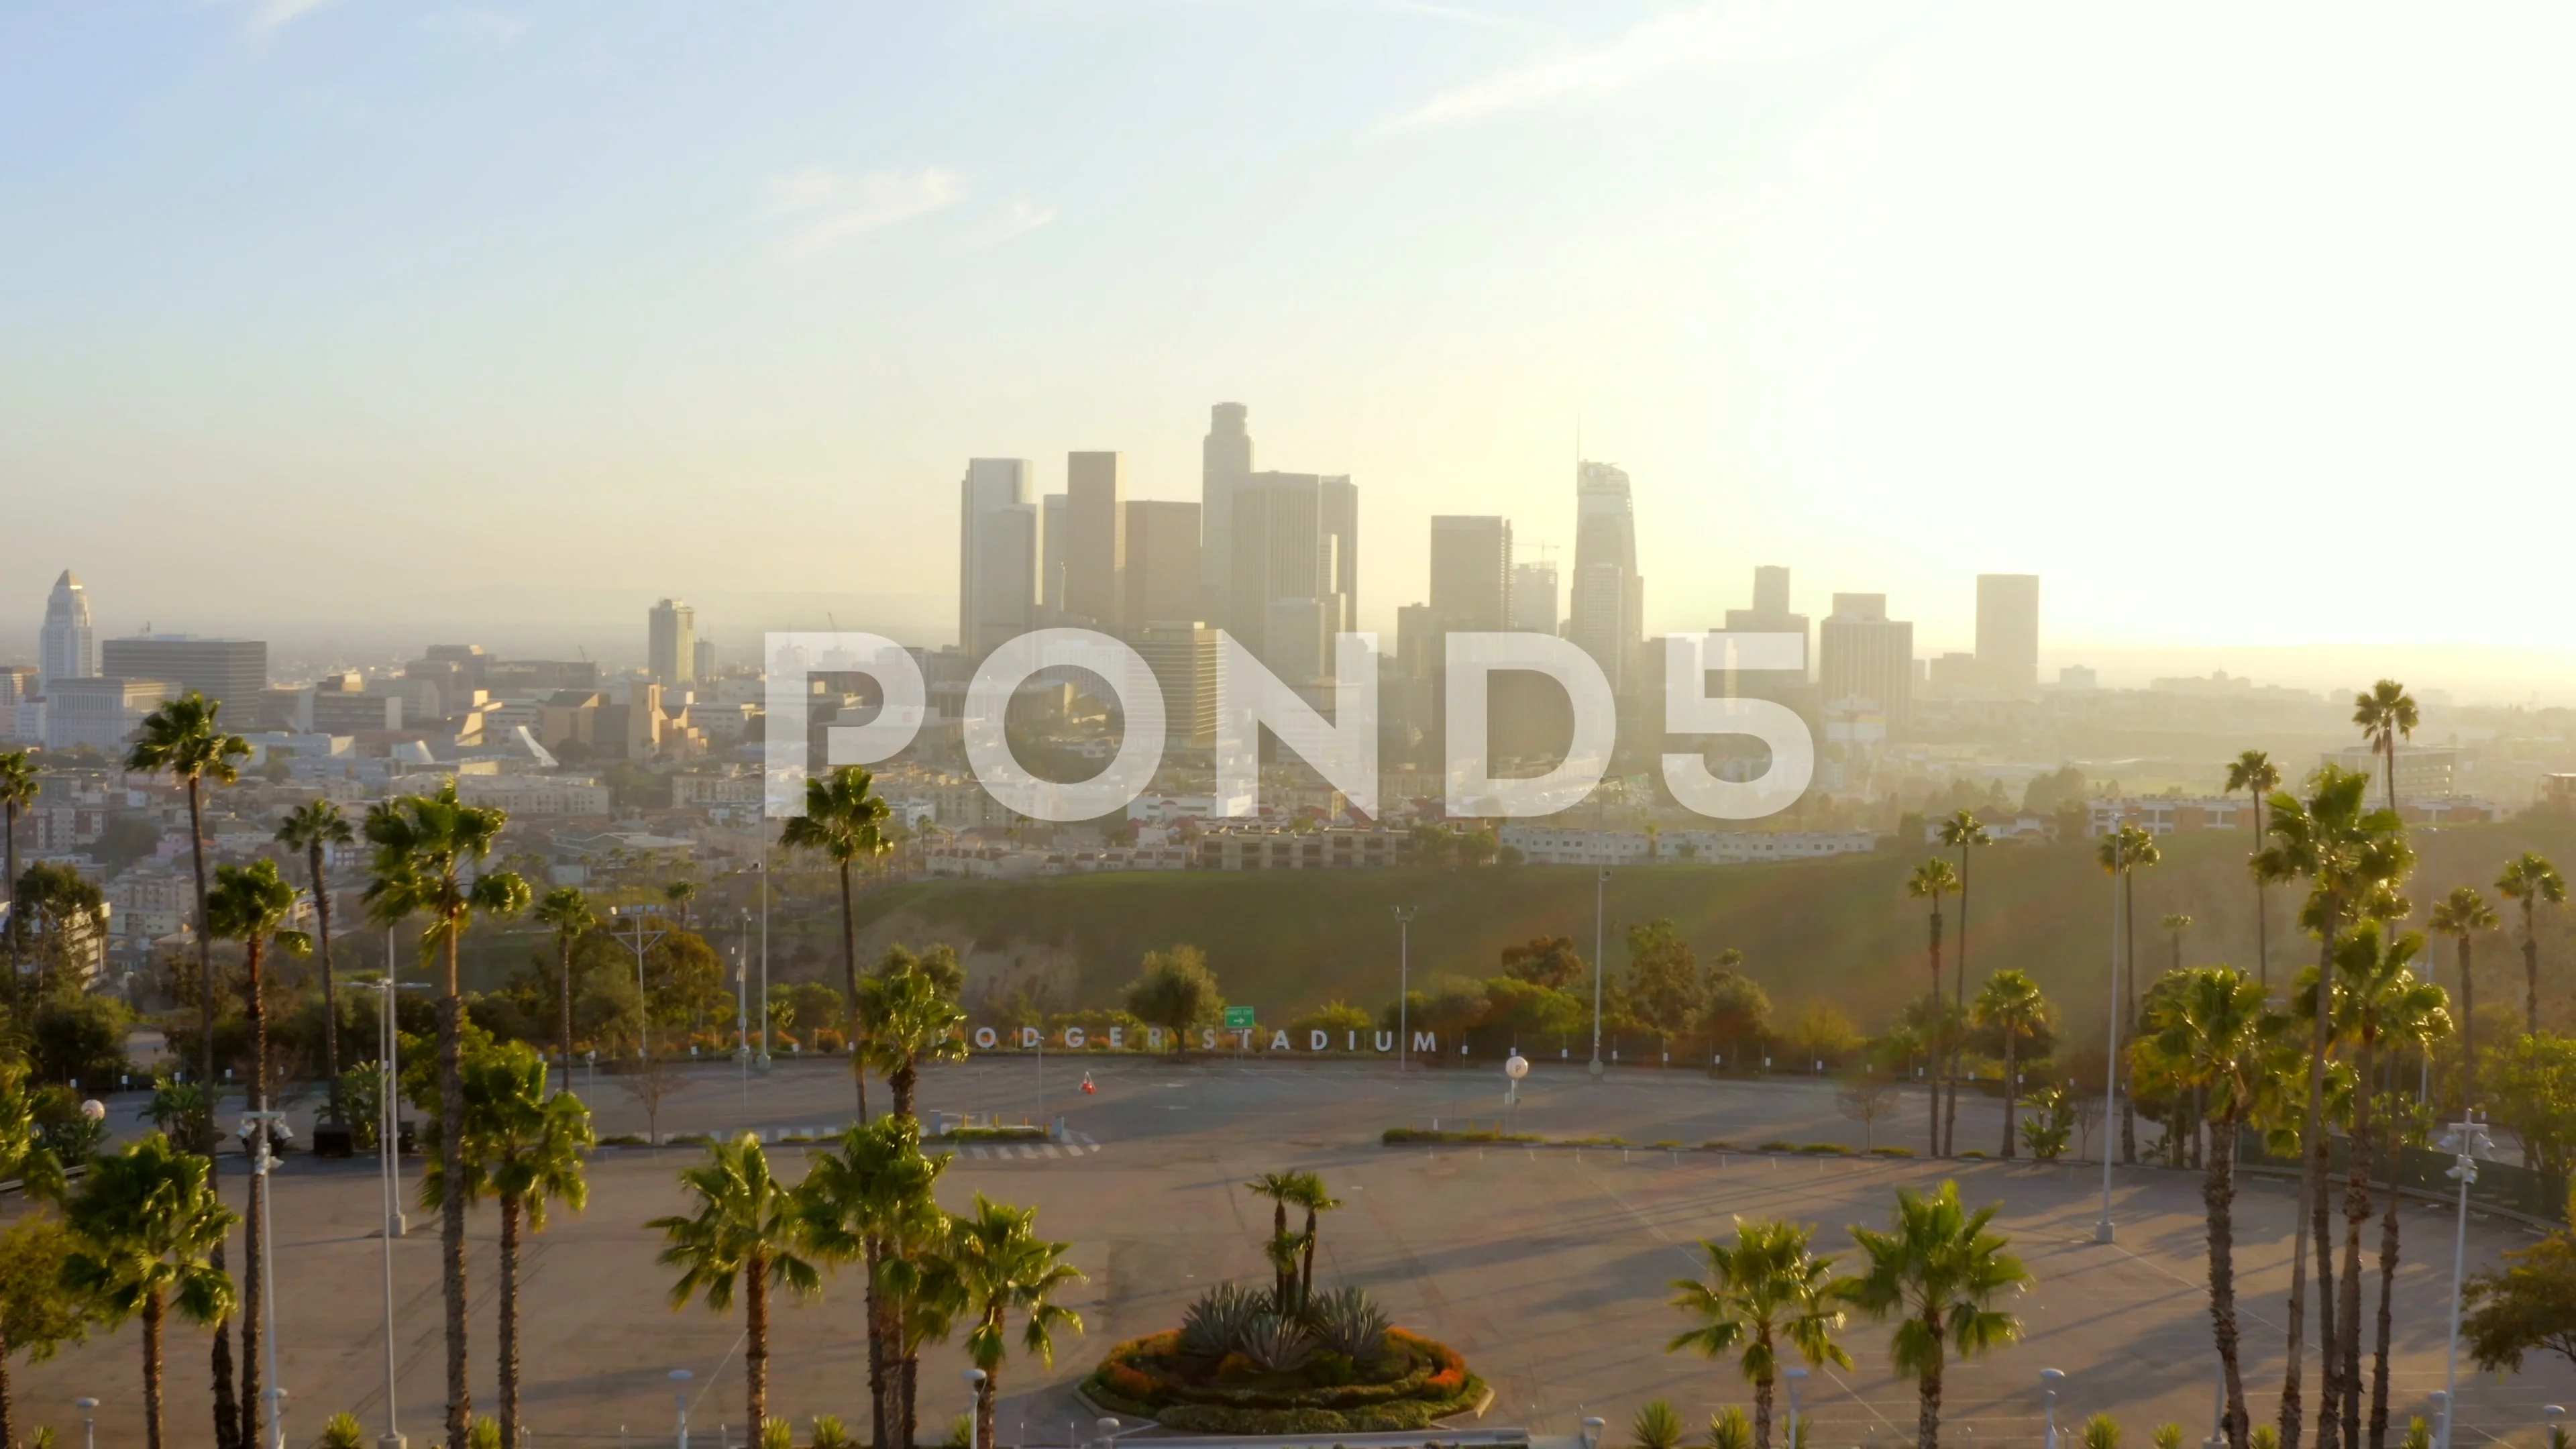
877	1346
1927	1421
228	1422
2311	1191
1762	1413
451	1214
563	991
2468	1028
903	1081
2012	1080
906	1390
2530	968
16	926
255	1243
850	977
1306	1266
2320	1150
2129	1021
509	1330
8	1409
152	1369
755	1349
2387	1283
228	1414
1931	1042
985	1395
2262	927
330	987
1958	1045
2356	1211
2218	1195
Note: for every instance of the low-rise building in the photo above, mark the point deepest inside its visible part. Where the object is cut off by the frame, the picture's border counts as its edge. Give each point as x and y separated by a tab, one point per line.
1253	847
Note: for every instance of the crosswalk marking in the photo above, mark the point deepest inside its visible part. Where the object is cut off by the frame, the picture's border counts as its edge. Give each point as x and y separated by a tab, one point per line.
1075	1144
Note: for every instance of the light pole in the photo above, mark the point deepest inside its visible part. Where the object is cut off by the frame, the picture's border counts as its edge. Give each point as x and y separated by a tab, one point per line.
680	1398
89	1422
639	941
2048	1382
1797	1377
1403	978
2102	1232
1600	931
742	1009
974	1409
763	868
2465	1140
388	1150
255	1127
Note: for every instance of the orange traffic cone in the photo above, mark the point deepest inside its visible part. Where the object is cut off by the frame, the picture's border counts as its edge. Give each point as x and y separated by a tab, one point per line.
1087	1088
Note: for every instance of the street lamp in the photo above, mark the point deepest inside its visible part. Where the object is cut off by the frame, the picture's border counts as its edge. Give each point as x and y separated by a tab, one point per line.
2557	1430
255	1129
974	1409
388	1154
2049	1379
680	1397
639	941
763	869
2466	1139
1403	974
1600	930
1797	1377
89	1422
2111	1073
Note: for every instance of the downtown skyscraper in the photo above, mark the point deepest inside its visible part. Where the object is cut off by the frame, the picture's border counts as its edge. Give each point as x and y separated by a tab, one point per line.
997	545
1606	614
67	647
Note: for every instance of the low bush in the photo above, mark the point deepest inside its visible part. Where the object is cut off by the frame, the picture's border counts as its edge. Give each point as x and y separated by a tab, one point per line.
1891	1152
1829	1149
1776	1146
623	1139
1395	1135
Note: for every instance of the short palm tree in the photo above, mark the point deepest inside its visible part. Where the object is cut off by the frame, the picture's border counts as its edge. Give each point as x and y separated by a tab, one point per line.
1282	1188
744	1237
427	848
1311	1196
2530	881
148	1225
2011	1007
568	911
2386	714
1001	1267
872	1202
2461	915
19	786
313	828
1962	833
2124	851
681	893
906	1021
2212	1034
1766	1287
1941	1273
1929	882
2254	773
844	821
252	904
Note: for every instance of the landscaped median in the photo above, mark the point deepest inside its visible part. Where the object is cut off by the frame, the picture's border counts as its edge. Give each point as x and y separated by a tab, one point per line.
1412	1382
1478	1136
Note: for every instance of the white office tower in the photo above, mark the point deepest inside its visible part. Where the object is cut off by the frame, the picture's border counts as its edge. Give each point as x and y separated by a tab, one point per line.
1609	599
68	646
1225	463
997	545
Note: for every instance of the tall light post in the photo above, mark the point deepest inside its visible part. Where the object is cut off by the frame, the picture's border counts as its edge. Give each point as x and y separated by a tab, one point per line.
89	1422
1796	1374
2466	1140
1600	934
680	1398
2102	1231
2049	1379
974	1403
639	941
742	1006
388	1156
255	1129
763	869
1403	978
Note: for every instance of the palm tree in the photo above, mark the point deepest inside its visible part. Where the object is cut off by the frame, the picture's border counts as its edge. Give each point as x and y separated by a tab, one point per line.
1929	882
2386	713
844	820
2011	1006
744	1234
2124	851
1282	1188
2530	880
1001	1265
567	910
19	787
2354	858
149	1227
425	846
523	1149
2254	773
2405	1019
314	827
908	1021
2173	924
2213	1034
1941	1273
872	1202
1768	1286
252	904
1311	1196
680	893
1960	832
2461	915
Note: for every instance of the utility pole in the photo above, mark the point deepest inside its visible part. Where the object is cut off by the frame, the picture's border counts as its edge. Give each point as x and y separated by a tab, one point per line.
1600	934
1403	977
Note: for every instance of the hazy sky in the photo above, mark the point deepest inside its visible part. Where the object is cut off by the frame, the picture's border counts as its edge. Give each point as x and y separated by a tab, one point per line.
2244	326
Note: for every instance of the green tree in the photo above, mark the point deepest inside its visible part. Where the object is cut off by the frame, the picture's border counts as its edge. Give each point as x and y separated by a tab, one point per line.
1176	991
148	1225
2386	713
567	911
2010	1006
252	904
2526	1305
1527	1010
183	740
1940	1273
2254	773
744	1234
1282	1189
2214	1036
1734	1009
844	822
68	915
1929	882
1961	833
1663	976
1002	1267
1310	1196
2530	882
19	787
873	1202
2534	1098
313	828
1764	1291
1549	961
907	1020
425	847
38	1315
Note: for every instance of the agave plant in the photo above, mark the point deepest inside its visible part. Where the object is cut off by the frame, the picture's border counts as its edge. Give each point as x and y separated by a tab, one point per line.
1276	1345
342	1431
2167	1436
829	1434
1730	1429
1655	1427
778	1434
1214	1326
1347	1321
2101	1432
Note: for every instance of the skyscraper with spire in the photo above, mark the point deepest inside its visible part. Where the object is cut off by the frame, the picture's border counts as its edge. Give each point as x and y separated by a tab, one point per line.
1606	617
67	648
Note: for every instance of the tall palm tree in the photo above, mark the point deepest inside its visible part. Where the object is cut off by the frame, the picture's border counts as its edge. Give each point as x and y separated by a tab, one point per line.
252	904
2353	858
2530	881
2010	1006
2461	915
871	1202
19	787
1002	1266
314	827
844	821
1961	832
426	846
568	911
2406	1019
1940	1272
744	1235
2213	1034
680	893
1312	1197
2124	851
1767	1286
149	1226
2386	713
1929	882
908	1021
1282	1189
523	1149
2254	773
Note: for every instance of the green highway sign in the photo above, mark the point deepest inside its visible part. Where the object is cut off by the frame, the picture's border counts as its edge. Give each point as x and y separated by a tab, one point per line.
1238	1018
